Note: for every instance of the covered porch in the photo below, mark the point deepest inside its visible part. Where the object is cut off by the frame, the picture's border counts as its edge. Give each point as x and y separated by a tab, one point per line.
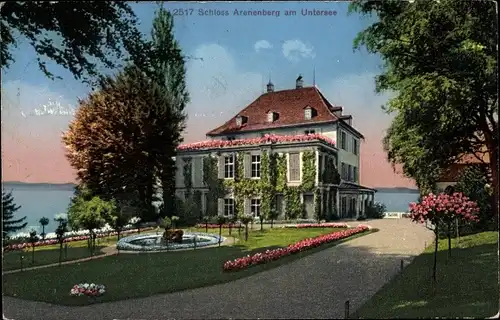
353	199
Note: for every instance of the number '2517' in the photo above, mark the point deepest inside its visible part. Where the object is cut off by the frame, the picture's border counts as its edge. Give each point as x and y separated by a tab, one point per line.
182	12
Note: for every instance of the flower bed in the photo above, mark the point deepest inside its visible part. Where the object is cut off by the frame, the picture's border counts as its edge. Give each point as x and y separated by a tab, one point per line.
318	225
216	226
48	242
268	138
85	289
303	245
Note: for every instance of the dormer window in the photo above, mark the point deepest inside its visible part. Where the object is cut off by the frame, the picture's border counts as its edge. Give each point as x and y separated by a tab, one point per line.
308	113
272	116
241	120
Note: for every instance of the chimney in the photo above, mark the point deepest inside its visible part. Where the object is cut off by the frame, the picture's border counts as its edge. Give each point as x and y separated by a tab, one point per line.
270	87
299	83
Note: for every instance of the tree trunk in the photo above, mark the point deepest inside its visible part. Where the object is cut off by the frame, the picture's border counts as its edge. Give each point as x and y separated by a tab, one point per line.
449	239
272	223
493	153
118	233
261	225
220	233
436	241
33	254
60	252
230	227
43	232
206	227
246	232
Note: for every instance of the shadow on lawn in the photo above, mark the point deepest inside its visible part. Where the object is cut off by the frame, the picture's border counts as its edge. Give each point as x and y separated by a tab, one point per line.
13	260
466	287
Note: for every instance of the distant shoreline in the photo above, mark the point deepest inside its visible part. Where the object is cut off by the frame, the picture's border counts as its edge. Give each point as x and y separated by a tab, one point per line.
70	186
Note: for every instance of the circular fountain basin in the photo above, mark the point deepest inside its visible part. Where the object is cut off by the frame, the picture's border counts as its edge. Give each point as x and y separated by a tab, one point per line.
154	242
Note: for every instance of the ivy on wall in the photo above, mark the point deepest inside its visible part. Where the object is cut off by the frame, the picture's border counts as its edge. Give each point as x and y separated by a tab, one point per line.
330	174
187	173
273	180
214	185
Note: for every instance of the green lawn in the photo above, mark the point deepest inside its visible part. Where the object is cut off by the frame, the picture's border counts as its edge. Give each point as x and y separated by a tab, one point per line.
50	254
467	284
138	275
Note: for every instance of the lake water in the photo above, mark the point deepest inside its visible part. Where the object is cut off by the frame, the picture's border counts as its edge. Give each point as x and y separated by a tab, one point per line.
38	202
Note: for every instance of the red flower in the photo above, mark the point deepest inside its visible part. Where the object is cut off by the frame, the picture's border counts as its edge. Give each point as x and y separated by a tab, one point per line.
266	139
269	255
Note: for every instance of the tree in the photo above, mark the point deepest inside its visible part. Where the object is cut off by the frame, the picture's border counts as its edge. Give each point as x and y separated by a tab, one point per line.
440	60
9	208
443	209
118	215
221	220
91	32
61	230
246	219
90	215
167	69
474	182
33	239
44	221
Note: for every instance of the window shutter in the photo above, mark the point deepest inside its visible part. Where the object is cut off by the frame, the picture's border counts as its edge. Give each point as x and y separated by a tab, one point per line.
247	207
220	207
247	162
221	167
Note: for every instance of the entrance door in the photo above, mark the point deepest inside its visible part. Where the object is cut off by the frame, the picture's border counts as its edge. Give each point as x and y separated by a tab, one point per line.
309	204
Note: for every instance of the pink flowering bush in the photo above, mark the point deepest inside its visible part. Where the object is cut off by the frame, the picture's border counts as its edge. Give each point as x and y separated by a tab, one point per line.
268	138
303	245
444	209
48	242
318	225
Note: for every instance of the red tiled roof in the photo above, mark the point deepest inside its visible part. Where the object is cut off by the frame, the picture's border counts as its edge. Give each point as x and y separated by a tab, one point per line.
288	104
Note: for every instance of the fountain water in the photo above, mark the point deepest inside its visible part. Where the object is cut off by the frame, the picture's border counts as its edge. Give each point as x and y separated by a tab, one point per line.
155	242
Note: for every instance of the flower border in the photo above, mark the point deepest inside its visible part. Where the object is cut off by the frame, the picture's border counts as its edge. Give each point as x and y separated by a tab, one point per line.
317	225
49	242
303	245
266	139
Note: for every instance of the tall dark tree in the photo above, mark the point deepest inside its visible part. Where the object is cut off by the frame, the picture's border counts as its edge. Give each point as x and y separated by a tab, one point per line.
167	69
80	36
9	208
440	59
115	137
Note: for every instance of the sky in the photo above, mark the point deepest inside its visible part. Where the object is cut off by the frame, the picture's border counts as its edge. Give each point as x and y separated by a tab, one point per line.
231	58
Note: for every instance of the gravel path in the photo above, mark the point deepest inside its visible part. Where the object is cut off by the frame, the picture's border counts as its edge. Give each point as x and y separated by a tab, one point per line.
315	286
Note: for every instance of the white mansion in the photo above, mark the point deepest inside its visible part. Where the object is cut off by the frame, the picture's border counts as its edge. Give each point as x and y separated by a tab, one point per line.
289	151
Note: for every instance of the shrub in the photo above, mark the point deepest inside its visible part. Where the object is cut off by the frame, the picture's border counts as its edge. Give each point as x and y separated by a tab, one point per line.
375	211
361	218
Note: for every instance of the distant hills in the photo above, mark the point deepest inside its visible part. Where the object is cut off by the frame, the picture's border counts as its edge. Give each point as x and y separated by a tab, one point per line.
70	187
397	190
31	186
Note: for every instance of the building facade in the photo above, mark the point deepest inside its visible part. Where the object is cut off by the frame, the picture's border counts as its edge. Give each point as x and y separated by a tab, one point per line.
290	152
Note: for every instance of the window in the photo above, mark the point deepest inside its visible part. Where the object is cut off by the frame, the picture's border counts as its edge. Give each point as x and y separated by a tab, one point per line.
343	206
352	205
308	113
255	207
354	146
270	117
343	140
349	172
239	121
355	174
231	138
255	166
228	207
343	170
229	166
309	132
294	166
